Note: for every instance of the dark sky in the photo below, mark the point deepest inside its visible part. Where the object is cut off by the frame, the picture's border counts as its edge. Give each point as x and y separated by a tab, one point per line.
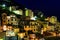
48	7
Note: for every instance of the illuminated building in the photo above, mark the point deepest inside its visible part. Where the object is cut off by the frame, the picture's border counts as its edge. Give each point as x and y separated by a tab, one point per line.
29	13
10	33
51	23
9	27
8	20
12	19
53	19
32	36
16	30
42	31
12	8
32	26
52	27
27	28
19	12
27	18
4	19
4	28
47	19
21	36
33	18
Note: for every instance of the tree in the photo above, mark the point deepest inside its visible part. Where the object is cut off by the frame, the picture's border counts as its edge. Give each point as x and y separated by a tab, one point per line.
40	16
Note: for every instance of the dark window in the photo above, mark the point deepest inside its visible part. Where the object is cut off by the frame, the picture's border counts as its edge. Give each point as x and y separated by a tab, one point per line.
8	23
25	26
31	23
12	23
8	20
3	17
35	23
34	29
12	19
15	19
4	21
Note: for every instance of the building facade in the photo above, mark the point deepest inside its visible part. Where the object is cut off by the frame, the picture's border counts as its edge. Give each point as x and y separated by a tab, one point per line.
53	19
29	13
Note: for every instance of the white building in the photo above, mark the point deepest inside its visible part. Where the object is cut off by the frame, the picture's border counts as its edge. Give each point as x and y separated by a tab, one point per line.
20	12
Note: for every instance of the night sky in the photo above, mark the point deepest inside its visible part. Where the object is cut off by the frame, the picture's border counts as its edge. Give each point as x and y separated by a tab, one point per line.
48	7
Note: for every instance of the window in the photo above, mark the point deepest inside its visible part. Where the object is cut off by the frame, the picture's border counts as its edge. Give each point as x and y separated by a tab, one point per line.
12	19
4	15
12	23
4	21
34	29
8	20
15	19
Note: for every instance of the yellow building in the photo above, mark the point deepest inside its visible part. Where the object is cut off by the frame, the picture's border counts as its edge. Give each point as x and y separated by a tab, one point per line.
12	19
8	20
4	19
21	35
32	26
53	19
16	30
29	13
27	28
